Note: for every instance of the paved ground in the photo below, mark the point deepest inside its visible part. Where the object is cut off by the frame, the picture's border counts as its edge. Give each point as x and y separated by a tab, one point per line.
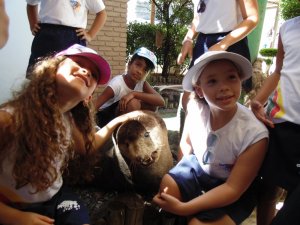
172	123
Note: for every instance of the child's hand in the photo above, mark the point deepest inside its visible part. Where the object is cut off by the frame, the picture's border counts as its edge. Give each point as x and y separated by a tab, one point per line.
218	47
127	116
124	101
258	110
186	50
169	203
29	218
35	29
84	35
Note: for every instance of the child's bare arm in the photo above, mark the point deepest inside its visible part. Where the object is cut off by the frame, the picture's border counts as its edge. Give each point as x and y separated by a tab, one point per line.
32	15
268	87
242	175
98	23
107	94
96	26
9	215
149	96
105	132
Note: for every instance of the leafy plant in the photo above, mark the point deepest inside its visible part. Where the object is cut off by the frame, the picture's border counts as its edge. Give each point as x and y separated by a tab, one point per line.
289	9
140	35
268	54
173	17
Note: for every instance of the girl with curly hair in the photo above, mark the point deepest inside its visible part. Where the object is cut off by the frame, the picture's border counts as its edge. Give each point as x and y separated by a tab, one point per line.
41	130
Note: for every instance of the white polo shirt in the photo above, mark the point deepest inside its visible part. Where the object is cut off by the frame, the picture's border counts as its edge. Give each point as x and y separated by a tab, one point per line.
219	16
243	130
71	13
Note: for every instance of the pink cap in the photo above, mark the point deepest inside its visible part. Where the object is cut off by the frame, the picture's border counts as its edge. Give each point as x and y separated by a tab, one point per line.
101	64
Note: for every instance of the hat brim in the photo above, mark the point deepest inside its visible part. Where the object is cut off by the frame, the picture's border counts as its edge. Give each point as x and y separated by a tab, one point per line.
147	57
100	63
194	72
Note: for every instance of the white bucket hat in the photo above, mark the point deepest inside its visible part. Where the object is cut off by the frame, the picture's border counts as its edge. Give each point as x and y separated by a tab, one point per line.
191	77
146	53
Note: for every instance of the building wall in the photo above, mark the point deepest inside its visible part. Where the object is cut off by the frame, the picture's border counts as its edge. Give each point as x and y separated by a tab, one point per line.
111	40
15	54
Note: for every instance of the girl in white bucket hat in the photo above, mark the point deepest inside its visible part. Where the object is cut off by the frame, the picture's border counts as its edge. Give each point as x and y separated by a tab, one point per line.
221	149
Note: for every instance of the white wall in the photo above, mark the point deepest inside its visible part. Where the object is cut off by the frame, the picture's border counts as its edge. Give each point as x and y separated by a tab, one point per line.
15	54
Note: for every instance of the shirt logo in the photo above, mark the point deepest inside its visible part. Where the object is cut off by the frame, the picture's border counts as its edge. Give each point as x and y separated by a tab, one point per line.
75	5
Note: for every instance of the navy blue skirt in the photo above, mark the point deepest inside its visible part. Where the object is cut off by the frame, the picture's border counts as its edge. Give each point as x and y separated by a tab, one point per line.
52	38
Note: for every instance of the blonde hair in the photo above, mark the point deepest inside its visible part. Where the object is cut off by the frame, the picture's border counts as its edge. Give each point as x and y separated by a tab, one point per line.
38	131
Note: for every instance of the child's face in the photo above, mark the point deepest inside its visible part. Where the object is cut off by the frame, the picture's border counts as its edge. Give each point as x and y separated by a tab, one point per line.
76	78
137	70
219	84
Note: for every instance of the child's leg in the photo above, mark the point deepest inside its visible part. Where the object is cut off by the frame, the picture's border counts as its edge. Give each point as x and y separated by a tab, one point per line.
135	104
169	186
132	105
268	196
289	213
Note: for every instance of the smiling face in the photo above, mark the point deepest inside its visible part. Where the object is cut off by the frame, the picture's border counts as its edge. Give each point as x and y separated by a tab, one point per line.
76	79
220	85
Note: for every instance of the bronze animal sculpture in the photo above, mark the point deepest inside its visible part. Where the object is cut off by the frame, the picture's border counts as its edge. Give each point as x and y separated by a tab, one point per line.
139	157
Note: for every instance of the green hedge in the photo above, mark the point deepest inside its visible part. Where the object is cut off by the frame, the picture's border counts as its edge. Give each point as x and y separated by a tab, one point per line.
144	34
140	35
268	52
289	9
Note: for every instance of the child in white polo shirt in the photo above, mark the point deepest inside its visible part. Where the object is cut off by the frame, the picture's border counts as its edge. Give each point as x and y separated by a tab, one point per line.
129	91
58	24
221	149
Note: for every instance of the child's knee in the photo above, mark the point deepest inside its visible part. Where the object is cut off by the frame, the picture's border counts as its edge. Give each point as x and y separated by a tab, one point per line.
133	104
169	185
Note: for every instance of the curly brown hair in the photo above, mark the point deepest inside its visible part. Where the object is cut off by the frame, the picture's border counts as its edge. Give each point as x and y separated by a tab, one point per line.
38	131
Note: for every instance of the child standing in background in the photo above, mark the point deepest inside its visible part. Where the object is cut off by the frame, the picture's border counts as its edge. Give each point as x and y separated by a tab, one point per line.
58	24
221	149
130	91
219	26
281	92
44	126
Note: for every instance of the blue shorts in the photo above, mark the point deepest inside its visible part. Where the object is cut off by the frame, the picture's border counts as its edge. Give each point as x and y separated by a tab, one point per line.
193	181
52	38
205	41
64	207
